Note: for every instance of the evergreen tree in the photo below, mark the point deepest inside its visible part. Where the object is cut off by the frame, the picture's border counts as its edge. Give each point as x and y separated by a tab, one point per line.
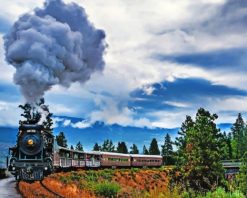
242	177
134	149
61	140
27	111
167	150
145	151
229	146
154	149
122	148
33	115
72	147
225	147
48	123
201	168
107	146
30	113
79	146
96	147
238	130
181	140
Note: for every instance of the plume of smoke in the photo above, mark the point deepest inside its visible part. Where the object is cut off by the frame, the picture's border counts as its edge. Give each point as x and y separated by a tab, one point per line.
53	45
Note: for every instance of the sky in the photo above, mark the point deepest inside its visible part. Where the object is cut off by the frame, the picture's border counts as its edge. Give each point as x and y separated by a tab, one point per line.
164	60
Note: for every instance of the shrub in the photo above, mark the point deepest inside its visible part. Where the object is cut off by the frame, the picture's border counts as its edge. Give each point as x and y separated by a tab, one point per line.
91	176
2	173
65	179
107	189
221	193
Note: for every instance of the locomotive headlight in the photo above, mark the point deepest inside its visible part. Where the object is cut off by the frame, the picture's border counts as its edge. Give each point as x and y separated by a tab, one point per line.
30	142
46	168
13	168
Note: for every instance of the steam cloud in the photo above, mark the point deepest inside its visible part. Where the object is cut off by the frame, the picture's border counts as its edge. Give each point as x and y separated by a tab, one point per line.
53	45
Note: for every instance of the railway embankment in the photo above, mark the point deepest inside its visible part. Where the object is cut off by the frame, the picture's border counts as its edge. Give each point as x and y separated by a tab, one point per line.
101	183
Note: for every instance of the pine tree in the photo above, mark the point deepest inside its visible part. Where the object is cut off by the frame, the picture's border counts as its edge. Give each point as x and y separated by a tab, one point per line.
181	140
229	145
61	140
134	149
79	146
96	147
145	151
202	168
154	149
27	111
238	144
167	150
225	147
108	146
30	113
122	148
242	177
72	147
33	116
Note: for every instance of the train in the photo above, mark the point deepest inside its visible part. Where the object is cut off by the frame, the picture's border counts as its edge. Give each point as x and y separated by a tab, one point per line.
37	155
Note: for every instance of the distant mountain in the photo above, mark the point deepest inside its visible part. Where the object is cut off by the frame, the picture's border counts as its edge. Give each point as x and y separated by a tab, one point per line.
99	132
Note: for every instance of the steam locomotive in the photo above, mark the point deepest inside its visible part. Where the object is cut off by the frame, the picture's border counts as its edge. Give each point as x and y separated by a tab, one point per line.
31	158
36	155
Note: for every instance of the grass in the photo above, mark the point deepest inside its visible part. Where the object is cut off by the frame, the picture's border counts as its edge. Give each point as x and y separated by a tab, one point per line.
107	189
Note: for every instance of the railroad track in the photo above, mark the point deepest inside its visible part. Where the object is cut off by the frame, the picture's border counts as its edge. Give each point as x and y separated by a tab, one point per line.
51	191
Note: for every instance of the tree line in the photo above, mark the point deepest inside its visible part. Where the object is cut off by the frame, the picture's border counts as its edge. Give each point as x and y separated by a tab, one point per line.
108	146
232	145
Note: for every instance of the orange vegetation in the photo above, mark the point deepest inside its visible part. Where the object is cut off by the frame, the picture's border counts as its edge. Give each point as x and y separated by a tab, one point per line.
81	184
33	190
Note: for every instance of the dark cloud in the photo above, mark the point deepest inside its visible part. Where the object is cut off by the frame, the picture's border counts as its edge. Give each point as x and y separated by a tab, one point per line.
229	57
231	17
228	19
190	91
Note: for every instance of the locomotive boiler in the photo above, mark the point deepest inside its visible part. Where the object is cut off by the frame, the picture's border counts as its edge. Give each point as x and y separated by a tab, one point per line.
31	158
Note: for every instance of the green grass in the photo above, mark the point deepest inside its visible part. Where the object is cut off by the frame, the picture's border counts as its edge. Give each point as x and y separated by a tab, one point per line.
107	189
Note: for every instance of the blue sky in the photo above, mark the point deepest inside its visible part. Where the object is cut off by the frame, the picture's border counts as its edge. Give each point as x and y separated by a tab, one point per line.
164	60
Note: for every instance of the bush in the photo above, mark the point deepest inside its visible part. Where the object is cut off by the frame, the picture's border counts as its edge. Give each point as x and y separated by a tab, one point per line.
2	173
220	193
107	189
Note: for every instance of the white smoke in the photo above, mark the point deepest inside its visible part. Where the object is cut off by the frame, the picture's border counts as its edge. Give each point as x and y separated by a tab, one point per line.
53	45
44	112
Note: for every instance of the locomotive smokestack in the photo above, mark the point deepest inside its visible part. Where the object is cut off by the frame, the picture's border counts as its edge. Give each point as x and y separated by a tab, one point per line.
55	45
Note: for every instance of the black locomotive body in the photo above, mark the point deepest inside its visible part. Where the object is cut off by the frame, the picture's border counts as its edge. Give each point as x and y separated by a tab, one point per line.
31	158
